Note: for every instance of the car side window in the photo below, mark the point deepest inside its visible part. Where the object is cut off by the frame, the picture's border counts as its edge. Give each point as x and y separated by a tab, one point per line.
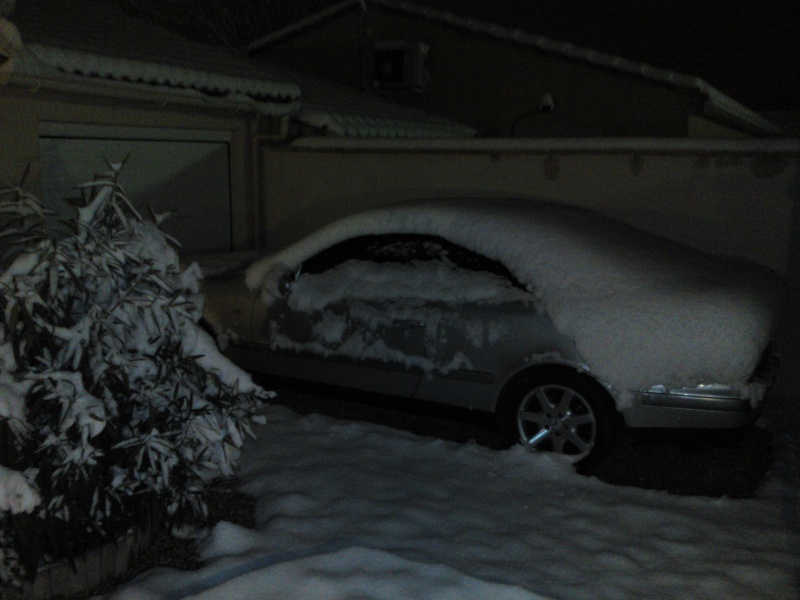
333	256
405	249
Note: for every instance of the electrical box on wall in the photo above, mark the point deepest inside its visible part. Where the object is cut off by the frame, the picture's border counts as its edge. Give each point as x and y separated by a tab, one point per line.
400	65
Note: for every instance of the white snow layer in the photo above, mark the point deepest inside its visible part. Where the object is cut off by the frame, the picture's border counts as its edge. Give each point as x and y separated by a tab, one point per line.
16	494
198	343
434	280
344	111
379	295
642	310
356	510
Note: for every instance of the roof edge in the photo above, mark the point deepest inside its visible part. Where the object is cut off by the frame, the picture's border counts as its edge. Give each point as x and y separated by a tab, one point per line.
330	11
51	79
92	64
729	110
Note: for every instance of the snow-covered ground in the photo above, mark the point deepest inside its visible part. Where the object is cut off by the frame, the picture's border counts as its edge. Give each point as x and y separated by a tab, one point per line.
355	510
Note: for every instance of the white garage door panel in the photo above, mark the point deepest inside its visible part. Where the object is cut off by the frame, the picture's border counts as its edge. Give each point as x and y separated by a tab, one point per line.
190	178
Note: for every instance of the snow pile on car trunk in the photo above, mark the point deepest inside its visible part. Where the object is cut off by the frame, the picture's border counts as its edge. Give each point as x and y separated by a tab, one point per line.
642	310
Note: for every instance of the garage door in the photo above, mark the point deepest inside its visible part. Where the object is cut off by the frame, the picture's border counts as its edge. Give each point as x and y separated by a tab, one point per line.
184	171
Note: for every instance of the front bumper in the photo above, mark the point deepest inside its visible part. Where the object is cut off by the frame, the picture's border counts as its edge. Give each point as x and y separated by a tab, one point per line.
690	408
706	406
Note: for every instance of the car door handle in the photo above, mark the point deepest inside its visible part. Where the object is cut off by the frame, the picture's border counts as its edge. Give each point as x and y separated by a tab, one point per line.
408	323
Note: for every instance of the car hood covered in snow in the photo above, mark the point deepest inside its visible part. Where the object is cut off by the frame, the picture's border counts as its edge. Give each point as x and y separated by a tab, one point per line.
642	310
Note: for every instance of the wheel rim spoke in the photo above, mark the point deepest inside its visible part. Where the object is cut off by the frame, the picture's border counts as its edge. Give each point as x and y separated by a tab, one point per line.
536	418
568	436
539	438
544	401
566	401
575	420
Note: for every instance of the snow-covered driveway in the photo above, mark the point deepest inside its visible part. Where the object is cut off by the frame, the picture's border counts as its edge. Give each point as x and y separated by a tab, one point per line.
351	509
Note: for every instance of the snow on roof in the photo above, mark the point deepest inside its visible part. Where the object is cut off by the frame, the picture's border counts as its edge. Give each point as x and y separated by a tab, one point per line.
94	39
346	112
642	310
718	103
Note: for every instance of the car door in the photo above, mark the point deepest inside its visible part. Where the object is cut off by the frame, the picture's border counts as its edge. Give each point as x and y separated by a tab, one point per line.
487	326
340	322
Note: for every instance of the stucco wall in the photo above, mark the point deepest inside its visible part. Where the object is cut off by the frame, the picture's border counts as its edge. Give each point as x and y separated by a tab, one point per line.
733	204
497	85
19	141
331	50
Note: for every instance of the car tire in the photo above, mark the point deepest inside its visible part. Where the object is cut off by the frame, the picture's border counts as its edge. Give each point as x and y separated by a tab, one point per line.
559	410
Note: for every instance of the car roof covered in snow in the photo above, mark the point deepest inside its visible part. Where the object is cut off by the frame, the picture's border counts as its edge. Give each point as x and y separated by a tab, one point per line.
641	309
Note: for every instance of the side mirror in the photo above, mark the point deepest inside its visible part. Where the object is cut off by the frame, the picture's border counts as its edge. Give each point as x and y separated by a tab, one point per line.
286	282
285	285
277	282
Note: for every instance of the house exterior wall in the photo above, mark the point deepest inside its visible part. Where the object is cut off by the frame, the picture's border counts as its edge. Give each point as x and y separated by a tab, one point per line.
23	108
493	84
19	140
330	49
731	204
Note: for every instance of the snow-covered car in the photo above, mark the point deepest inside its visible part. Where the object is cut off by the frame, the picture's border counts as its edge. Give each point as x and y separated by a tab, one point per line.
563	323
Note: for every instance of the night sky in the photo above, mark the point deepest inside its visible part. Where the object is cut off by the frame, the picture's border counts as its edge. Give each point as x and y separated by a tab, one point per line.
749	49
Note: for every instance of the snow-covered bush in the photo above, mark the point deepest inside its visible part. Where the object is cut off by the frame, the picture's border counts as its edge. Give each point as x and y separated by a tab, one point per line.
112	399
